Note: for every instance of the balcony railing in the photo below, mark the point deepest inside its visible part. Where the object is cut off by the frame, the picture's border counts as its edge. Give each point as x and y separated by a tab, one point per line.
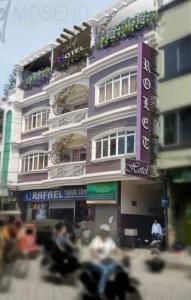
69	118
68	170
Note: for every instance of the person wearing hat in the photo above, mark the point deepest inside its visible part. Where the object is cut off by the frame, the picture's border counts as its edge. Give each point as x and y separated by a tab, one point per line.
102	246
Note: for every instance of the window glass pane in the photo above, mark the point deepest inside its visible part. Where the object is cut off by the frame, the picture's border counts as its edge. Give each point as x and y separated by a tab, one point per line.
109	91
30	162
76	155
121	133
113	147
116	78
26	164
113	135
170	129
41	161
23	165
34	120
43	118
105	148
98	149
133	84
47	117
35	162
30	122
171	60
130	144
125	75
39	118
116	89
184	54
185	125
102	94
46	160
82	154
121	145
125	86
26	123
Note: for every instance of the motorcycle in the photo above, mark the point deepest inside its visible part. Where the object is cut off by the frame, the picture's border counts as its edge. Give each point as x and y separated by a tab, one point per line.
157	243
60	261
108	280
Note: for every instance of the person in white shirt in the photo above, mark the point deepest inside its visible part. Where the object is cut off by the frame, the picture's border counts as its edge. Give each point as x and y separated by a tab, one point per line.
156	229
102	246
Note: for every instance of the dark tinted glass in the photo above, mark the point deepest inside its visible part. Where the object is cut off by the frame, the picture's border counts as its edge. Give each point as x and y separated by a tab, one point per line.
185	125
170	129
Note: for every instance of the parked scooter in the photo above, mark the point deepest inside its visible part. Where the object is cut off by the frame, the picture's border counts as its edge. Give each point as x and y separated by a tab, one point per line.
157	243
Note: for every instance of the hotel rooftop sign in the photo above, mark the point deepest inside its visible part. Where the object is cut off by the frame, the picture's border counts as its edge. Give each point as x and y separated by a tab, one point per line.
73	51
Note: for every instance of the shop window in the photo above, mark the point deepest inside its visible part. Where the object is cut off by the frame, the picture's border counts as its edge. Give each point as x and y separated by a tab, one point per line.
118	86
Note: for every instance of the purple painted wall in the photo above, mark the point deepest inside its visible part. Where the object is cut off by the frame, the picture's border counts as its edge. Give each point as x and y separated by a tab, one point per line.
43	103
40	147
32	92
33	133
32	177
92	110
119	45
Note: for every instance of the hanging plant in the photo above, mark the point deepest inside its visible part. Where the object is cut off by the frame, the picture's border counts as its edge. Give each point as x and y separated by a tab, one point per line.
126	28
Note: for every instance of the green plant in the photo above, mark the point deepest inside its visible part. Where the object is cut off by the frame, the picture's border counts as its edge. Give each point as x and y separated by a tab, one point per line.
126	28
12	82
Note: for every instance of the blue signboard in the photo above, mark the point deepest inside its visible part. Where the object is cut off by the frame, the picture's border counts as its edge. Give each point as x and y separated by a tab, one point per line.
165	202
59	194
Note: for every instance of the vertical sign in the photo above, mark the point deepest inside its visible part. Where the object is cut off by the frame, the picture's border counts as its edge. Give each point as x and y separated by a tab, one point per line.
146	101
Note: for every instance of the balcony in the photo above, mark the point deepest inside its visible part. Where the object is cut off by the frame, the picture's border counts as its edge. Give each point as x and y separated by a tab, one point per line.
65	170
69	118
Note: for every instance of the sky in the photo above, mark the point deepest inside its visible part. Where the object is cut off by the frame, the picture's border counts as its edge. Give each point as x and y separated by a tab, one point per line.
31	24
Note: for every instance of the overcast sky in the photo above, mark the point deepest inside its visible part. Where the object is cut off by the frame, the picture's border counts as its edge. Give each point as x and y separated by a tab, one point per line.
33	23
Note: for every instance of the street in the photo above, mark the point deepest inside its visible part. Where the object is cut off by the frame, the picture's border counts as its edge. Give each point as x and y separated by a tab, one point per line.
168	285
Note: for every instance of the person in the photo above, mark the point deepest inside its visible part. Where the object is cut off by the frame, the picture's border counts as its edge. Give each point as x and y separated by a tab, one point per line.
64	252
156	229
102	246
102	265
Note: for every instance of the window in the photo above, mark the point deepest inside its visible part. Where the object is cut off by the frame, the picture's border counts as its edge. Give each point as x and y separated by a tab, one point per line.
32	162
114	144
37	119
122	85
79	155
170	132
177	127
185	125
177	57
